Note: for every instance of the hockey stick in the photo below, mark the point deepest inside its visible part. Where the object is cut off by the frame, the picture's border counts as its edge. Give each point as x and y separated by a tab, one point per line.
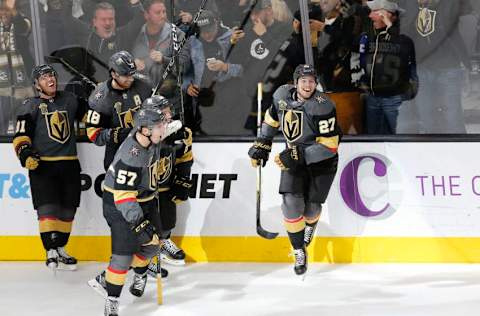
260	231
62	61
241	26
171	63
159	279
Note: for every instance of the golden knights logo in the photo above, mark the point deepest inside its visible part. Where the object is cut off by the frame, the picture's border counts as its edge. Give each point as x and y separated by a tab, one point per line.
126	117
58	126
426	22
292	125
160	171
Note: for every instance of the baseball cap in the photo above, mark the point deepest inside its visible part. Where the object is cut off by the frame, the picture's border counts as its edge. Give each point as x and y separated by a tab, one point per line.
314	13
386	5
207	21
260	4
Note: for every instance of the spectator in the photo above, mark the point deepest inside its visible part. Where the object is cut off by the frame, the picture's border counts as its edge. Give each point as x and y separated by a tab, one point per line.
153	49
15	84
337	53
388	60
441	53
187	9
281	12
263	37
214	80
231	12
104	38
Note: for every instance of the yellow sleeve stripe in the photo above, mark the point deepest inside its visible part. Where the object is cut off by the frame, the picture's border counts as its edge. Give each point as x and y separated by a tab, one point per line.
21	140
185	157
329	142
120	196
270	121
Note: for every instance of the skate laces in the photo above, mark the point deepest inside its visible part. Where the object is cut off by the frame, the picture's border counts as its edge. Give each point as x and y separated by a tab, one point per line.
152	266
139	281
308	233
62	253
299	256
52	254
111	306
170	246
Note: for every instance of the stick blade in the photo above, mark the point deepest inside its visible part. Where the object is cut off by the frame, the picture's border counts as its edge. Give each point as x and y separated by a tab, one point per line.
266	234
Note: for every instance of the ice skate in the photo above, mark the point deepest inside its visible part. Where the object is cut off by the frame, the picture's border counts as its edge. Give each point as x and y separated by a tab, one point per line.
99	284
111	306
65	261
300	266
309	234
138	286
152	270
52	259
171	254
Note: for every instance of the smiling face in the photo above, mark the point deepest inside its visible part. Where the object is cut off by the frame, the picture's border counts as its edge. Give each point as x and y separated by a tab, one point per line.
306	87
47	84
123	82
104	22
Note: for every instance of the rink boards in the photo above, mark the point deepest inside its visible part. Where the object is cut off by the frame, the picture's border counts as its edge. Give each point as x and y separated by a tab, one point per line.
390	202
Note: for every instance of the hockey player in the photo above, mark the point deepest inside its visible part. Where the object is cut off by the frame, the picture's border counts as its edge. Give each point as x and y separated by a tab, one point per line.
113	104
129	203
45	143
175	189
307	119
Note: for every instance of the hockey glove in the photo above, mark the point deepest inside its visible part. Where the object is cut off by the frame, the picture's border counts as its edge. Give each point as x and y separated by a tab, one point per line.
145	233
290	158
180	189
260	151
119	134
28	157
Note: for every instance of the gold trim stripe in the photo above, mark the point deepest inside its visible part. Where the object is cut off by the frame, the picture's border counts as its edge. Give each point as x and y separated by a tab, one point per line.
329	142
115	277
294	225
50	225
185	157
121	196
92	133
138	262
270	121
58	158
21	140
140	200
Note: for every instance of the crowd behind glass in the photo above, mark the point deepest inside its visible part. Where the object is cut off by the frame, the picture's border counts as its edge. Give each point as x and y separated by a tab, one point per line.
235	44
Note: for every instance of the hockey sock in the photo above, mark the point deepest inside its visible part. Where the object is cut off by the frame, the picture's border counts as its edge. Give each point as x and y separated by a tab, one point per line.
62	239
48	241
296	239
115	279
139	263
295	229
141	270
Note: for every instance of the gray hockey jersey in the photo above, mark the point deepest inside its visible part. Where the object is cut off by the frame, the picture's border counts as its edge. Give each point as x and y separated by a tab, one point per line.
311	125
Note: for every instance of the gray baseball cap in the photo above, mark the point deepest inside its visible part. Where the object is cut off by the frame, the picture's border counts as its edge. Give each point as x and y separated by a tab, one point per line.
207	21
387	5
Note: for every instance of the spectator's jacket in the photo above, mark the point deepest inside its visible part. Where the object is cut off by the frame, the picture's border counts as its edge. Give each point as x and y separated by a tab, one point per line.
199	60
141	50
84	35
388	60
434	30
17	61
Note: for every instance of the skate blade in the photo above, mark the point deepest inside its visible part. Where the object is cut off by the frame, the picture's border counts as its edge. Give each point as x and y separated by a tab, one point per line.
97	287
66	267
53	267
171	261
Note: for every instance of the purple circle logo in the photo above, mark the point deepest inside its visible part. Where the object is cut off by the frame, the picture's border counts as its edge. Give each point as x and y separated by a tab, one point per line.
357	172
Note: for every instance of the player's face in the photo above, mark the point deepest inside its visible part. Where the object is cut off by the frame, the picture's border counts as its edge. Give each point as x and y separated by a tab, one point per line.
158	132
104	23
306	87
156	14
47	84
124	82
